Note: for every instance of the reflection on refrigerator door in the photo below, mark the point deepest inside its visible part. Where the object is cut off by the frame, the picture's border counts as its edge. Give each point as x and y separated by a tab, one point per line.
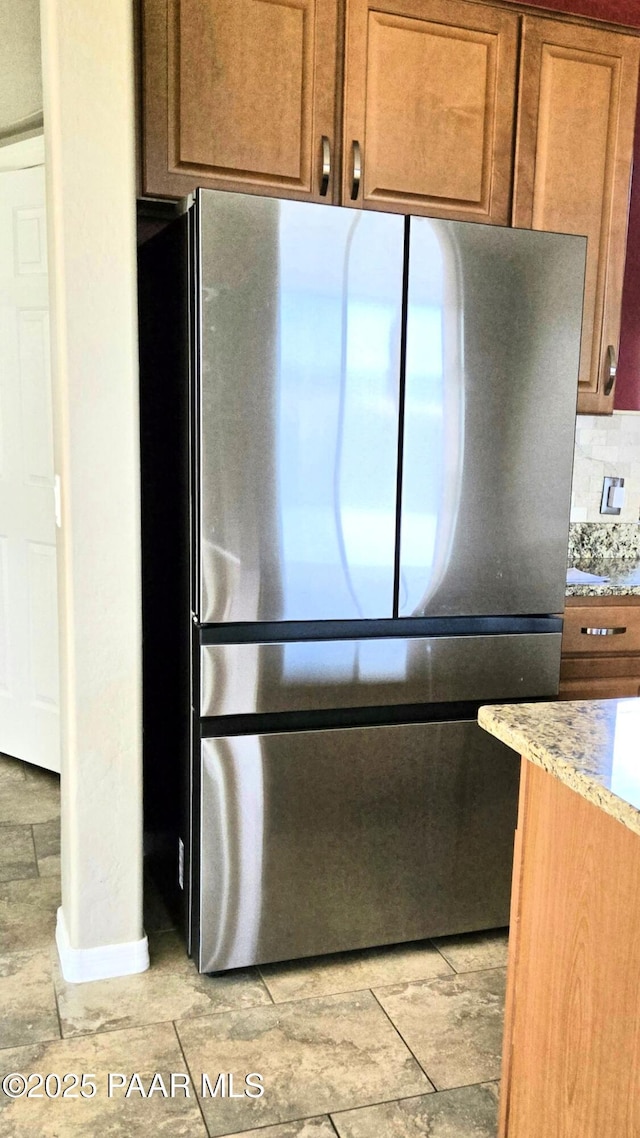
301	326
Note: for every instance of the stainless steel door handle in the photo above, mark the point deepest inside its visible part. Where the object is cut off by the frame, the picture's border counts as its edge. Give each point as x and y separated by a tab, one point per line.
326	166
357	170
602	631
612	368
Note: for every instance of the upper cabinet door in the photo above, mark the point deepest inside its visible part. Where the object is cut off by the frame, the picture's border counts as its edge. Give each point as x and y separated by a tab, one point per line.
573	168
429	107
239	95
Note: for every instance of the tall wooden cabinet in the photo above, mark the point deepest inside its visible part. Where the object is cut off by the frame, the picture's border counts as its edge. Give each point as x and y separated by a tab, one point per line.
574	154
408	105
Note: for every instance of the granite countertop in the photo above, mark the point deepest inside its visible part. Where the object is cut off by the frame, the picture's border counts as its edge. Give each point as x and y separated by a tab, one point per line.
592	746
607	549
624	577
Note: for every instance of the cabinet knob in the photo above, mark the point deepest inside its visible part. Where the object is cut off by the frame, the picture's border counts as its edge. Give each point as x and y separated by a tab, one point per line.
357	170
612	367
326	166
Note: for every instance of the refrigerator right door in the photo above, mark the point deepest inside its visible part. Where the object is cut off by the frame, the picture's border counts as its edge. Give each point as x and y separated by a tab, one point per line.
493	342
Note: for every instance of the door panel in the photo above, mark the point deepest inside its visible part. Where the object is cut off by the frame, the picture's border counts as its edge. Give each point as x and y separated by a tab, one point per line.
573	167
238	94
320	841
493	337
300	327
240	679
428	142
29	716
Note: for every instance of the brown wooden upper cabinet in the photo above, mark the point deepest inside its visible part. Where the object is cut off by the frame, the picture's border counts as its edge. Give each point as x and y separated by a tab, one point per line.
239	95
573	168
415	111
429	107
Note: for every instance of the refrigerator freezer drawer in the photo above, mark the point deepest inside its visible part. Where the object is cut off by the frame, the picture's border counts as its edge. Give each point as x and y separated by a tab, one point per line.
242	679
320	841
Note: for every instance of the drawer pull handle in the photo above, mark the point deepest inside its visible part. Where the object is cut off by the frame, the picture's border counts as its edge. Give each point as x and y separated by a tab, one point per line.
602	631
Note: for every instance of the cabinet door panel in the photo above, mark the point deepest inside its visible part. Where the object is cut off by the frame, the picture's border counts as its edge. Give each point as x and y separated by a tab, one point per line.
427	141
238	94
573	166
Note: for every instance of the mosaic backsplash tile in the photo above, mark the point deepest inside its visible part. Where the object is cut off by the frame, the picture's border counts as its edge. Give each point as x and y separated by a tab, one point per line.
606	445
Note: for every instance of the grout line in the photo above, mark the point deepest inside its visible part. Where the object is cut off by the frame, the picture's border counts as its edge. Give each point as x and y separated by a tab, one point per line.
193	1083
333	1125
432	942
264	981
55	965
35	852
401	1036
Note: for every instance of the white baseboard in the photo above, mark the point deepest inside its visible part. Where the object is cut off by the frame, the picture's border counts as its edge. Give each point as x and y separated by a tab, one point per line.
82	964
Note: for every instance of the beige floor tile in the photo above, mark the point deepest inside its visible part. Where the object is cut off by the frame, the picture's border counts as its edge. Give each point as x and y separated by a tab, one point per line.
171	989
315	1055
453	1026
144	1051
306	1128
27	998
17	855
474	952
46	837
467	1112
353	971
40	775
11	770
28	913
22	801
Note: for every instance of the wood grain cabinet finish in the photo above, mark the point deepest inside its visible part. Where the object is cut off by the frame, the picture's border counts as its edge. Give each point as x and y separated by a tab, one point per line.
600	648
571	1047
429	104
239	95
573	168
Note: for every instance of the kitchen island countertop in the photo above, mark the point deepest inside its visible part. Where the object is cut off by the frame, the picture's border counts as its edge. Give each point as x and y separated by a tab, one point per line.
592	746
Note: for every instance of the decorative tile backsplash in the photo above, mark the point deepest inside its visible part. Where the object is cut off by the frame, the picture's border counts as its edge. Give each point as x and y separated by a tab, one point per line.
606	446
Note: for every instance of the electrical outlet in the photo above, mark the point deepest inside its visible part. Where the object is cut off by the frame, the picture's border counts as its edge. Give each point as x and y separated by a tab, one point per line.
612	496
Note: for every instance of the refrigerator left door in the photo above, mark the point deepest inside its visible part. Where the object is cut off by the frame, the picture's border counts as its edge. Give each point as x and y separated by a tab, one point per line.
299	318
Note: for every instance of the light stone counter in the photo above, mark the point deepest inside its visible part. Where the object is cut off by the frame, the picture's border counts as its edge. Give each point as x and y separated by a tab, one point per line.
592	746
624	578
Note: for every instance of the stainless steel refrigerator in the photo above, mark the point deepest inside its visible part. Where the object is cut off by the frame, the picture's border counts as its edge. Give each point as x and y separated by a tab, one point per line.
357	441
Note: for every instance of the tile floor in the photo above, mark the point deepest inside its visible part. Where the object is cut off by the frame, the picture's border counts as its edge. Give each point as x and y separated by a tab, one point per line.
402	1042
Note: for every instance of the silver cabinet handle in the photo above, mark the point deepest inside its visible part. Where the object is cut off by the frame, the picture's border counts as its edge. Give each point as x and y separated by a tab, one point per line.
602	631
612	367
326	166
357	170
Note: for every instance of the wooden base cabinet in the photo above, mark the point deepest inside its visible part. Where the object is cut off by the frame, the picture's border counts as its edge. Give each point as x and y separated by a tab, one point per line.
600	648
571	1051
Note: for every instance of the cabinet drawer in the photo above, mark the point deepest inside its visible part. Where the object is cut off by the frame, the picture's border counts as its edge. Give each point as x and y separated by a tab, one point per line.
601	631
614	688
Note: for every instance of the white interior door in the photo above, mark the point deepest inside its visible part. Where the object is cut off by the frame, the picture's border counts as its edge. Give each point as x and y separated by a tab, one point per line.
29	717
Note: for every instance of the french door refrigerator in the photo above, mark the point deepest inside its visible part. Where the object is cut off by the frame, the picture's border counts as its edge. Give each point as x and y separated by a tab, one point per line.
357	443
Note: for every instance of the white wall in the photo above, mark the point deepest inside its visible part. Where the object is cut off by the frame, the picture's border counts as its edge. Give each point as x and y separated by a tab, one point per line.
89	135
606	445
